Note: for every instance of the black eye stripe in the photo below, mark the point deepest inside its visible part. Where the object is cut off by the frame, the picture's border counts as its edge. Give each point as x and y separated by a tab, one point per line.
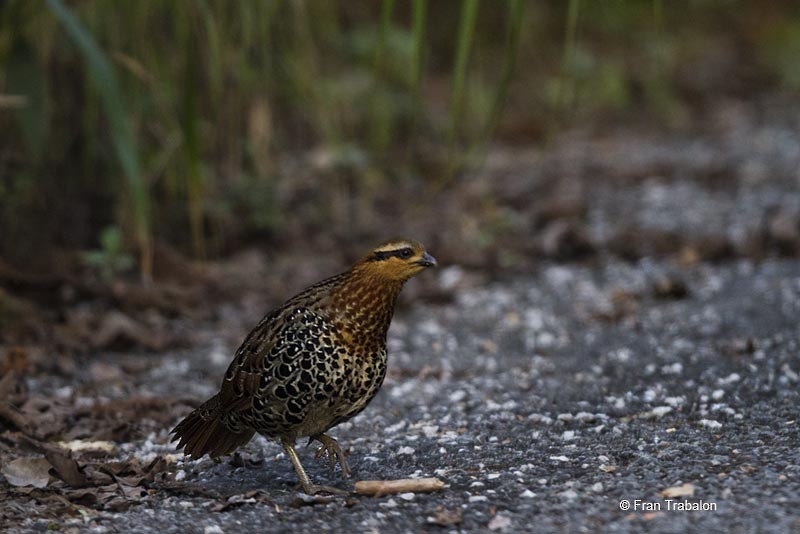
402	253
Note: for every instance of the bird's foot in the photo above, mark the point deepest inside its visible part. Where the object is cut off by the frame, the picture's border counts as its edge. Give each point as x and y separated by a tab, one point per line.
314	489
334	451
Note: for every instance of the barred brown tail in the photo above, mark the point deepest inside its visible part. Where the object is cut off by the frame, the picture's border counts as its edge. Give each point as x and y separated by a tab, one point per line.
202	431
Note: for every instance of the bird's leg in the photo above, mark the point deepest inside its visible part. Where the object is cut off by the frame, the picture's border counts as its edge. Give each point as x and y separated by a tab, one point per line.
335	453
305	482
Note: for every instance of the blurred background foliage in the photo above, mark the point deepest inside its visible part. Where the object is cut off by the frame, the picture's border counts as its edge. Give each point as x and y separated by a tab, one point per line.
207	124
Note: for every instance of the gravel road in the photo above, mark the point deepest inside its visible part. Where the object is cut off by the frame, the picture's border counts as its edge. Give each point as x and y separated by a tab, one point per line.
548	402
593	394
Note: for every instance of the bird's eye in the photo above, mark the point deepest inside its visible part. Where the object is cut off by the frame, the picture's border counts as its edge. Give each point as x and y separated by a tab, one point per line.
406	253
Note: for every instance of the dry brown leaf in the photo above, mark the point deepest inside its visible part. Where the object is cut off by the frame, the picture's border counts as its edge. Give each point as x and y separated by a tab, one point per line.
444	517
66	467
27	472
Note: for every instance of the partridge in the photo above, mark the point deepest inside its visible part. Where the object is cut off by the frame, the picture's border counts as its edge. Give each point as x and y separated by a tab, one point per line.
309	365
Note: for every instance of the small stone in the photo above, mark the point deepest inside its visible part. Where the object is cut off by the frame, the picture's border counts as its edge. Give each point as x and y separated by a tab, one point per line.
407	496
661	411
527	494
405	450
499	522
672	369
730	379
458	395
569	494
710	424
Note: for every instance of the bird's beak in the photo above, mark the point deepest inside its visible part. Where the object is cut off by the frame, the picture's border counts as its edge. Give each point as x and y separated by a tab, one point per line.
426	261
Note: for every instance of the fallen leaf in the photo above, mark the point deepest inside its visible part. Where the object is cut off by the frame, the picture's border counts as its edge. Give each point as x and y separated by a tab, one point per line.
66	467
116	325
9	414
105	372
444	517
684	490
27	472
251	497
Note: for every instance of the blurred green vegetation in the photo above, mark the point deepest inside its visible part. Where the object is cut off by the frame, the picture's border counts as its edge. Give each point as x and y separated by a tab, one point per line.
190	121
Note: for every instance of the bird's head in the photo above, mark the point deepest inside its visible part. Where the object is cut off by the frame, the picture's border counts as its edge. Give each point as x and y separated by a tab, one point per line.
396	260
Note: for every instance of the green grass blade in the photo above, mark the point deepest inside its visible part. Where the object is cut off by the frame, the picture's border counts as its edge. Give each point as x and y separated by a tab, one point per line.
104	78
190	124
213	47
380	114
466	35
419	14
566	90
26	79
515	14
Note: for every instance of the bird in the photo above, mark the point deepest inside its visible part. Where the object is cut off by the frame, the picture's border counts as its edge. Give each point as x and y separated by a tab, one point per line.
309	365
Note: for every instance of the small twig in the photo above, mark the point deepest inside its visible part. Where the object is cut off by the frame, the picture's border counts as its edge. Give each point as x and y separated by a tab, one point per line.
403	485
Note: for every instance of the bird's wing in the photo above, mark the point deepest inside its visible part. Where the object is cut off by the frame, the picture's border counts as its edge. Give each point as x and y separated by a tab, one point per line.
281	350
241	378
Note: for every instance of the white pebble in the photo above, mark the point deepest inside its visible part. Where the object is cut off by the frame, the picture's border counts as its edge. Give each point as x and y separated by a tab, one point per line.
730	379
711	424
458	395
660	411
499	522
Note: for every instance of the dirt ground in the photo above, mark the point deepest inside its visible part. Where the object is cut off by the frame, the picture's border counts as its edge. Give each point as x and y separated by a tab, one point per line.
638	349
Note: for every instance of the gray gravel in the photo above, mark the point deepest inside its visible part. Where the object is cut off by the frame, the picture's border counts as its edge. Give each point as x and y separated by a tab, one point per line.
543	402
